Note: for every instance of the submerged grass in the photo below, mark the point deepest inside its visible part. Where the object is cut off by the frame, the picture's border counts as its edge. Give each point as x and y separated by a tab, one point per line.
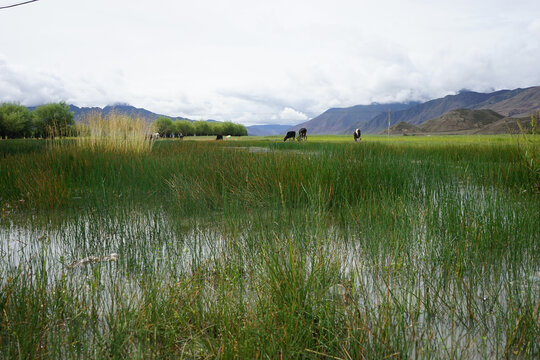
312	250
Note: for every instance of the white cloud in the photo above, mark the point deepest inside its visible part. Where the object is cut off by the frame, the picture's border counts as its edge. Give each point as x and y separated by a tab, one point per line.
28	88
291	116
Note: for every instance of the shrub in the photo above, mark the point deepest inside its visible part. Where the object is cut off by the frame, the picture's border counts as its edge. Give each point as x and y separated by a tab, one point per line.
15	121
53	120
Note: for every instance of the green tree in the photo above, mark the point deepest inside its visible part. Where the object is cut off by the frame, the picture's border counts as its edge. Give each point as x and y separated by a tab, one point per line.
185	127
53	120
241	130
15	121
164	126
228	128
216	128
202	128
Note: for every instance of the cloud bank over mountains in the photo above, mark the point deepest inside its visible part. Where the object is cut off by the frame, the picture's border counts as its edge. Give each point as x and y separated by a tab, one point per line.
256	63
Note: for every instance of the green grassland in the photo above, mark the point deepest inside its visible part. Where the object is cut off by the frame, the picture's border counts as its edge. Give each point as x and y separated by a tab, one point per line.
392	247
416	139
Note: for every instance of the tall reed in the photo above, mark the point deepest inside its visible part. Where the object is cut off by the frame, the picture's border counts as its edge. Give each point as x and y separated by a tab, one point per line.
114	133
529	149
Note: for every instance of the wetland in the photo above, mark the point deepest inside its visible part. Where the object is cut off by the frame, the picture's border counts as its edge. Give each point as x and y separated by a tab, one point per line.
255	248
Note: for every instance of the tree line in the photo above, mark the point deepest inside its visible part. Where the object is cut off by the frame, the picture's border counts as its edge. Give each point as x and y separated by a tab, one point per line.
166	127
50	120
56	119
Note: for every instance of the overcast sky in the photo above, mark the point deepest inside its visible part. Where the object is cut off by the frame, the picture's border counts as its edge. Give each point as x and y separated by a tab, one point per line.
252	61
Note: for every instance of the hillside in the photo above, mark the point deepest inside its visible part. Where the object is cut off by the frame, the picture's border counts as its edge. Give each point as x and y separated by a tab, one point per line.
401	128
522	103
505	102
459	120
506	126
345	120
463	121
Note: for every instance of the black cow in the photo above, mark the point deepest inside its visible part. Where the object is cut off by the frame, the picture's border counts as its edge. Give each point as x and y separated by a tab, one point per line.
219	137
302	134
357	134
290	135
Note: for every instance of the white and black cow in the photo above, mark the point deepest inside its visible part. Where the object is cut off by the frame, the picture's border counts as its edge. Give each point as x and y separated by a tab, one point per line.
290	135
302	134
357	134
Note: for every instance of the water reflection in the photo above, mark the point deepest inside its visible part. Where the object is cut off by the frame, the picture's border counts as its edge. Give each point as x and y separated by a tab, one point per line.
372	276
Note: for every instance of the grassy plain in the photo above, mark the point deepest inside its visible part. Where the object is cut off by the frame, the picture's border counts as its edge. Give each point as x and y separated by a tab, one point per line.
393	247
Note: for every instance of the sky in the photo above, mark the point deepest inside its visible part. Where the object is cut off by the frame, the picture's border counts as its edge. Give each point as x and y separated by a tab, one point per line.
263	62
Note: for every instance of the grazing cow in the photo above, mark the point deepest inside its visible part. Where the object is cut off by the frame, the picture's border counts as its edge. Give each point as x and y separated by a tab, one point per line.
154	136
357	134
302	134
290	135
219	137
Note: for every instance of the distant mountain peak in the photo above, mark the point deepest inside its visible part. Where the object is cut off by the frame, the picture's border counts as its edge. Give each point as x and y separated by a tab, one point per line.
119	108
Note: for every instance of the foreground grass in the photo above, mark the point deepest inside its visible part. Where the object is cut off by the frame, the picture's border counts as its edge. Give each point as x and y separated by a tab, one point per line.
261	249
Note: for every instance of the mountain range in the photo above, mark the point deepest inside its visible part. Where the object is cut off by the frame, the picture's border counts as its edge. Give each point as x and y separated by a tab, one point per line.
344	120
374	118
266	130
80	112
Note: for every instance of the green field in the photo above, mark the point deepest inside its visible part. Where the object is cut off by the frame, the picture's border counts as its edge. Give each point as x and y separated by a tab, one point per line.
393	247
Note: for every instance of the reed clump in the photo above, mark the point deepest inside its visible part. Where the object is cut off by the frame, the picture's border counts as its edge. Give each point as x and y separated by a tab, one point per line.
116	133
529	149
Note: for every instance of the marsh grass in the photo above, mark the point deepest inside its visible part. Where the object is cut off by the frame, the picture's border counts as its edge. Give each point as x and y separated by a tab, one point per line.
529	150
307	250
115	133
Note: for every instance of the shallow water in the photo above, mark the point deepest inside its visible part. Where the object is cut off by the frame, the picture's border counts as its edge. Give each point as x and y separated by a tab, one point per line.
263	150
153	245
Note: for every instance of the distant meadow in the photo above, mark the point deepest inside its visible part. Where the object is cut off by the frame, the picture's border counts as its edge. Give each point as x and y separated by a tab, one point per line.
252	247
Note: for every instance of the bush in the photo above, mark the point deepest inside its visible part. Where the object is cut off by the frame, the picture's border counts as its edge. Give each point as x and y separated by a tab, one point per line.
15	121
185	127
53	120
166	127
